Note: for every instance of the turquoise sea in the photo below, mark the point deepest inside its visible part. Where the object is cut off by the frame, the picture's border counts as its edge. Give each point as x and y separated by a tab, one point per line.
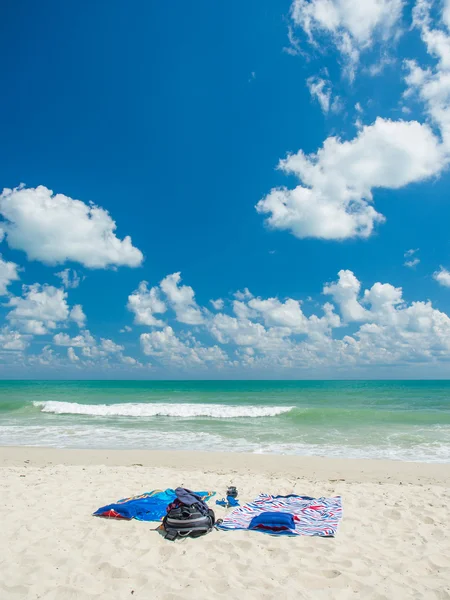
403	420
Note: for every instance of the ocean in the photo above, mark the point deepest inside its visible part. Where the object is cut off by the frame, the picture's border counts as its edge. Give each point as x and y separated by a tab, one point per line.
400	420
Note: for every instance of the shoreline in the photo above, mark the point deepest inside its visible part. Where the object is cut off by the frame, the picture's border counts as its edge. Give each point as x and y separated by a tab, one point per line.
350	469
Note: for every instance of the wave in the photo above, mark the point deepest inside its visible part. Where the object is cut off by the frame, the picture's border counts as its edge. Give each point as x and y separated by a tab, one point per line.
216	411
87	436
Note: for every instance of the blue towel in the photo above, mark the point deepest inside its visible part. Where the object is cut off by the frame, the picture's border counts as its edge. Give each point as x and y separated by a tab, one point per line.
150	506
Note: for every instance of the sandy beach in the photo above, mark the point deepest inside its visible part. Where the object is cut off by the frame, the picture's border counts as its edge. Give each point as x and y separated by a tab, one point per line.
392	542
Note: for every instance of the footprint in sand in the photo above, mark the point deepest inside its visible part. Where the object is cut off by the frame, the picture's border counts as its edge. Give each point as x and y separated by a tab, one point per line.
331	574
428	521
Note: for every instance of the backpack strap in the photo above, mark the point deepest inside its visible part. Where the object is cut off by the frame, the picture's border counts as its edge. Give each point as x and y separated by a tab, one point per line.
171	535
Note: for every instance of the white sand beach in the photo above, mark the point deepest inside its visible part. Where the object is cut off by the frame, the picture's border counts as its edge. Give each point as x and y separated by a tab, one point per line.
393	541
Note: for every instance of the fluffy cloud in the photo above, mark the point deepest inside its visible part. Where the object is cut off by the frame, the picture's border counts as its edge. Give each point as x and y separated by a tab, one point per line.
40	309
373	326
244	332
8	274
79	341
418	333
218	304
442	277
129	360
390	331
171	351
181	298
345	293
72	356
111	347
104	353
334	201
55	228
145	303
278	314
77	315
432	84
273	334
12	340
351	25
69	278
243	295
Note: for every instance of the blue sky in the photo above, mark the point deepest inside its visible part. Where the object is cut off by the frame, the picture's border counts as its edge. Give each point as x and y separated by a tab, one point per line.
172	118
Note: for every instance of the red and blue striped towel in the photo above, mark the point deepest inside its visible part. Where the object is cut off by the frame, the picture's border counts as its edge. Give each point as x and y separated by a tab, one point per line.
312	516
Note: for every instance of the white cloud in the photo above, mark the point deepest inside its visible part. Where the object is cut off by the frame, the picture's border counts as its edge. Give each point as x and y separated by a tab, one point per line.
334	201
72	355
412	263
145	303
294	45
244	332
69	278
391	332
244	295
378	68
446	13
55	228
321	91
345	293
88	344
400	333
218	304
352	25
12	340
40	309
181	298
77	315
8	274
271	335
85	338
111	347
442	277
47	357
171	351
432	84
278	314
129	360
126	329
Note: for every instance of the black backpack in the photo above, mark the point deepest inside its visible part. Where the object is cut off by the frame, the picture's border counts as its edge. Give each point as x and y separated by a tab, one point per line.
183	521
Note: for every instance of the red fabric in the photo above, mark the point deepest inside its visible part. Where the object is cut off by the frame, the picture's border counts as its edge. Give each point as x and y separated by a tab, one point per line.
113	514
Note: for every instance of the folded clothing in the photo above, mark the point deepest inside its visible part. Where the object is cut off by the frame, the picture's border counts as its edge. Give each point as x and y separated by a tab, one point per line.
275	522
150	506
311	516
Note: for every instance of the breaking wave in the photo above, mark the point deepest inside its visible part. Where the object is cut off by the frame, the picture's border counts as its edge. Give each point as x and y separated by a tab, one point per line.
216	411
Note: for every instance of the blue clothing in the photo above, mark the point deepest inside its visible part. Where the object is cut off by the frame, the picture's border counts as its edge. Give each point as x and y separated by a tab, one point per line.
150	506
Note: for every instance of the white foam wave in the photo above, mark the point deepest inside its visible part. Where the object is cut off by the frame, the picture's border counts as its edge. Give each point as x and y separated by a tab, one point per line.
216	411
86	436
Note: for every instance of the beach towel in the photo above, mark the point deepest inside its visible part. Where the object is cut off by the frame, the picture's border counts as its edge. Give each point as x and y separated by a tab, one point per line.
312	516
150	506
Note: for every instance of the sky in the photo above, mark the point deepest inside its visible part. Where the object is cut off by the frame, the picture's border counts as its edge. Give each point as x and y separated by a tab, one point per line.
225	190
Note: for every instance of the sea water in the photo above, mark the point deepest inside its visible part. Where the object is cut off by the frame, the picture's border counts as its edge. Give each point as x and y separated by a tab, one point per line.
403	420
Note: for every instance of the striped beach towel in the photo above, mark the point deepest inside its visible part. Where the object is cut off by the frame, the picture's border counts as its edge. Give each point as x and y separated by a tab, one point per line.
312	516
